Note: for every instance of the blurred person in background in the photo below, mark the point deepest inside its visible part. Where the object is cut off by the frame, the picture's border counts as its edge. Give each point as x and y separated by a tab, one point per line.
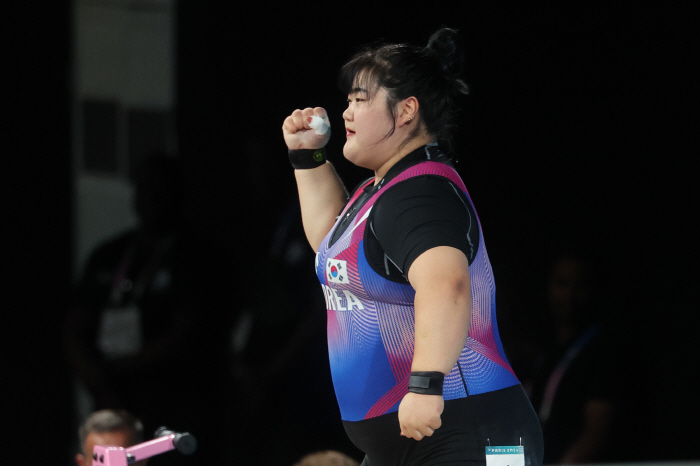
280	336
117	428
148	329
582	372
327	458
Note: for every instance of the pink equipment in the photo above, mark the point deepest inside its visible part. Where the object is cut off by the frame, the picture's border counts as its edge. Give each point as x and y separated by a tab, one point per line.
166	440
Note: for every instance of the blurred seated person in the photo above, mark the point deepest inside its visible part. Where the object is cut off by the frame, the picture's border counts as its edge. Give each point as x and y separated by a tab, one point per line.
576	389
108	427
327	458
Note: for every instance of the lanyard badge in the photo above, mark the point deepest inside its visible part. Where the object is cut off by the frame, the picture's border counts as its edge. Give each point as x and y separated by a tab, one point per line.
505	456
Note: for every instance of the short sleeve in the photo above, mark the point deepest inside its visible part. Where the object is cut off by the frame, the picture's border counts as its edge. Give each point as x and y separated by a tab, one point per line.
422	213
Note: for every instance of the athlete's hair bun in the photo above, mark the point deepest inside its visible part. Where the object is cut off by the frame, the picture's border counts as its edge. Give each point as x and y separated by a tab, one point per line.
446	46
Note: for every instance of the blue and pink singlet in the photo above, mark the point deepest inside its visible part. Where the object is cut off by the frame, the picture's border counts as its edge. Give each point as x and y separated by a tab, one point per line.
371	322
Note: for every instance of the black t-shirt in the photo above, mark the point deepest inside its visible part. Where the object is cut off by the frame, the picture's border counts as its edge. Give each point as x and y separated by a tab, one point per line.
414	216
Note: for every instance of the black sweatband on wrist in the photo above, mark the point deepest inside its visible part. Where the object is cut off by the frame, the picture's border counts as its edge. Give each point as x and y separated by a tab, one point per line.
303	159
426	383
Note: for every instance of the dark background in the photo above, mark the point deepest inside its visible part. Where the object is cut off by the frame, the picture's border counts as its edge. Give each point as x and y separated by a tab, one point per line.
578	130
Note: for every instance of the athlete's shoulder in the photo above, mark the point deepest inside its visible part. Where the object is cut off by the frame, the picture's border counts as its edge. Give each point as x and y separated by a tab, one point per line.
422	185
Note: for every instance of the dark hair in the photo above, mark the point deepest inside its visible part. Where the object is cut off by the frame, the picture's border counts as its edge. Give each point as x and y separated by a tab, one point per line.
109	420
430	74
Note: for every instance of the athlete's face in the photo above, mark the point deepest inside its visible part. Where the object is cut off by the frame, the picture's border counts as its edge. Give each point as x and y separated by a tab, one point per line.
367	123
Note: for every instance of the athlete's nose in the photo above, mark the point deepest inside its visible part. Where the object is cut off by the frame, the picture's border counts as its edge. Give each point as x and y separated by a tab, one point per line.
348	114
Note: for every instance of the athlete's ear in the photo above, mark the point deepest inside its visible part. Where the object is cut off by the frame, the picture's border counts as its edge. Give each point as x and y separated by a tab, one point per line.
407	111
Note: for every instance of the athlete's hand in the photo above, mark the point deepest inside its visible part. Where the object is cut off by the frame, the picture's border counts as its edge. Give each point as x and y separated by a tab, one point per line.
299	135
419	415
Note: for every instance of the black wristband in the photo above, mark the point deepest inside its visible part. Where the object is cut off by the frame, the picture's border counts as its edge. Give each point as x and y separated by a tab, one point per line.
426	383
303	159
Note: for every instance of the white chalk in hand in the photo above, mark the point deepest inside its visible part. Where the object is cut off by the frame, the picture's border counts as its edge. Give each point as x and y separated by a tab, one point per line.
318	125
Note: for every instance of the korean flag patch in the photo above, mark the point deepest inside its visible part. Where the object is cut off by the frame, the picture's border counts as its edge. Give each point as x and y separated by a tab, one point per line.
336	271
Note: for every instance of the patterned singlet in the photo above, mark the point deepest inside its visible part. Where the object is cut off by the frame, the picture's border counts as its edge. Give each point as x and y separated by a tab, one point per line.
371	323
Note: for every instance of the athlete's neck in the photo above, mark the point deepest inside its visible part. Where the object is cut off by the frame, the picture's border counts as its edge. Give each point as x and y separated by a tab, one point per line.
401	152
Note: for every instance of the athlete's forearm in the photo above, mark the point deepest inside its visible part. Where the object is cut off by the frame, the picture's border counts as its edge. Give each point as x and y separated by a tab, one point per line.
322	196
